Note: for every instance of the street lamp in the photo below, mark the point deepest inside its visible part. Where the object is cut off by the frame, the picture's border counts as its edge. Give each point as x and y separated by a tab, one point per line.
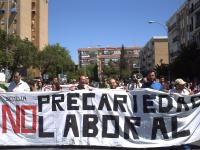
163	25
166	30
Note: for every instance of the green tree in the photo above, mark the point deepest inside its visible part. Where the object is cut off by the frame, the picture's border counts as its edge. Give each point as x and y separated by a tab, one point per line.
110	71
16	53
7	43
186	64
55	59
92	71
162	70
122	63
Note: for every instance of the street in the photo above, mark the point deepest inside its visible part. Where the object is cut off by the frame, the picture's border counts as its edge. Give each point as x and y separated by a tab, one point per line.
195	146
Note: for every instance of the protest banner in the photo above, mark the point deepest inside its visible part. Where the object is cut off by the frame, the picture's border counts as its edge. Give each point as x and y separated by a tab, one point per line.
138	119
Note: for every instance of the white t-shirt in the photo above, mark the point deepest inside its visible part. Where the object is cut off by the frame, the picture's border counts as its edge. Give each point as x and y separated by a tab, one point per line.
183	92
20	87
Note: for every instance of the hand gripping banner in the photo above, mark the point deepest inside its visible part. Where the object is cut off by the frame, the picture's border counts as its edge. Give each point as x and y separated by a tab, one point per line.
141	118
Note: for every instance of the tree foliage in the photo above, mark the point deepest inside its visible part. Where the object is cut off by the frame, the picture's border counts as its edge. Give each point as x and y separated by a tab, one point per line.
187	63
54	60
16	53
162	70
110	71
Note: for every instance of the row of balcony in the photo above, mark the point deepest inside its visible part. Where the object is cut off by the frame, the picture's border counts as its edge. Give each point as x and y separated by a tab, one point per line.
13	11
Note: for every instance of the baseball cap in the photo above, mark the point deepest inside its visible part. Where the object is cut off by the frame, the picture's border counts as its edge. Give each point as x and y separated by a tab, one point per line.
179	81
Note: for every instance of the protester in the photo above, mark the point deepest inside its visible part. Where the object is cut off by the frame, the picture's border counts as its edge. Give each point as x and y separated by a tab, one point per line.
17	85
81	83
151	81
180	87
84	83
135	82
40	85
113	84
193	87
104	84
164	83
55	84
33	85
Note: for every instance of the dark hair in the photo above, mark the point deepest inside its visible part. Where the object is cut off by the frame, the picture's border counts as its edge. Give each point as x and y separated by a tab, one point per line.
17	71
57	86
152	70
32	83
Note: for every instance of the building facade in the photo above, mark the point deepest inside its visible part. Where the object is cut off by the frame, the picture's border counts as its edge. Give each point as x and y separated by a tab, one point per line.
184	27
178	31
26	18
155	52
109	56
194	16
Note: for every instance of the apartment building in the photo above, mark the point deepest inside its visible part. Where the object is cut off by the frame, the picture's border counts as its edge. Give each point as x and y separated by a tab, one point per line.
194	16
109	55
26	18
184	27
174	38
155	52
178	31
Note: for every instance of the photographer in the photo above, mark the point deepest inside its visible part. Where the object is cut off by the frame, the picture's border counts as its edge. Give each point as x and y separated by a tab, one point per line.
135	83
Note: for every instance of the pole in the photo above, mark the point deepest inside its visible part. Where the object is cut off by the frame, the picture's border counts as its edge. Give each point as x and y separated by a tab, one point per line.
7	33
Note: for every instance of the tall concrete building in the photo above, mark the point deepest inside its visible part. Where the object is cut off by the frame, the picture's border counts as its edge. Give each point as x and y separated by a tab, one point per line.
26	18
194	16
184	27
178	31
154	53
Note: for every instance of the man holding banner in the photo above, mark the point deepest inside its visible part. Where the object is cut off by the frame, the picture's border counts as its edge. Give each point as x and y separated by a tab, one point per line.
151	81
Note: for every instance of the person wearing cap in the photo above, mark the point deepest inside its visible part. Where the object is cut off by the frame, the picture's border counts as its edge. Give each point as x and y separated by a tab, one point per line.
180	87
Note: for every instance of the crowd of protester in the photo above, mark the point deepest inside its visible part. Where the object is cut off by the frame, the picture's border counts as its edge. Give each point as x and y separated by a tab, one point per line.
137	81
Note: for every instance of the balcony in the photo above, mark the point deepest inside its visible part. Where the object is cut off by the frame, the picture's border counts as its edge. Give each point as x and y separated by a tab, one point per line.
85	56
197	5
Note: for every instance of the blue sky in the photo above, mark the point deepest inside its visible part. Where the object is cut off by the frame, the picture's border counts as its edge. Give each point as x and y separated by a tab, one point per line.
91	23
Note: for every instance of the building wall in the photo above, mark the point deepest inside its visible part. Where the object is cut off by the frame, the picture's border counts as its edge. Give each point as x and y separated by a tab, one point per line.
43	23
24	19
154	53
173	38
27	22
179	34
194	16
161	51
106	55
187	27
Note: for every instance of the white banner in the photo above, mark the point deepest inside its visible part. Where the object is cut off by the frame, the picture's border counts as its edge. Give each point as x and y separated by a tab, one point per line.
139	119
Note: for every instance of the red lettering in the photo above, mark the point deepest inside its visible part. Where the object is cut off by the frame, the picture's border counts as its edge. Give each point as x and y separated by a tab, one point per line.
33	128
17	126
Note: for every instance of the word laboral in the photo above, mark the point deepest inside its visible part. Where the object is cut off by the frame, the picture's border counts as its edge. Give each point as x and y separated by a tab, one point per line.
99	117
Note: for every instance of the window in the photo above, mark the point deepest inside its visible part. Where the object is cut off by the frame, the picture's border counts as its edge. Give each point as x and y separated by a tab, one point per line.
33	6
